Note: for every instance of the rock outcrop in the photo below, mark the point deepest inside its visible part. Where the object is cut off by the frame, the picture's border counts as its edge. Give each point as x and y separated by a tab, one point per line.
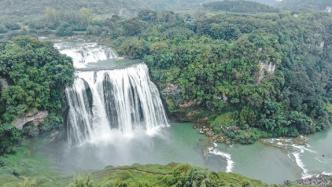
35	118
265	68
3	84
320	180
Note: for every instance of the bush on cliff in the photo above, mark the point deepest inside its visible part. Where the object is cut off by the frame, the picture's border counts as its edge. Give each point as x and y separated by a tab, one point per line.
37	75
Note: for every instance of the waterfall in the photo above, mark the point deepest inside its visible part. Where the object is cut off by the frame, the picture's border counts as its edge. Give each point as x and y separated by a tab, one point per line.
84	53
106	101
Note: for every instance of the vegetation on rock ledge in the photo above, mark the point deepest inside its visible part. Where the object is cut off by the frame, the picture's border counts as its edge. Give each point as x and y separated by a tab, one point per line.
37	75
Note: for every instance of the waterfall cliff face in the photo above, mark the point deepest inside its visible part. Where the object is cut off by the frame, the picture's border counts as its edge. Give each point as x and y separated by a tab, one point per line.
107	101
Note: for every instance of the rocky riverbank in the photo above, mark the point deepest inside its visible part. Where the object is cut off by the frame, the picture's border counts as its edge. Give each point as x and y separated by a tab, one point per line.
210	134
319	180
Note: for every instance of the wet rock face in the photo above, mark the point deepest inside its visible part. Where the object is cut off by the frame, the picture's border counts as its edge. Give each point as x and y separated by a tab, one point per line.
30	130
88	96
3	84
178	109
31	118
173	92
265	68
171	96
110	103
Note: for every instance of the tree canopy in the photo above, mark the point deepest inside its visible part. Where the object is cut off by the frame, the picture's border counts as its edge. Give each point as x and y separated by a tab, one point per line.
270	72
37	75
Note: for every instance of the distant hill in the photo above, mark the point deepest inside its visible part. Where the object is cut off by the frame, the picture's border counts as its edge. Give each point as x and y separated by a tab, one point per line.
307	5
27	8
33	9
174	4
239	6
23	8
267	2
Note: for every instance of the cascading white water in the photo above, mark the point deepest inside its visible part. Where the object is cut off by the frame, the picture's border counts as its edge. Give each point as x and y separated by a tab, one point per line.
106	101
85	53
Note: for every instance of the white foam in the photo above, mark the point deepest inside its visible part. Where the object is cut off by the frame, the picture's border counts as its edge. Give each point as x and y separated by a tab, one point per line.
304	148
300	149
115	136
228	157
300	164
86	53
327	173
296	152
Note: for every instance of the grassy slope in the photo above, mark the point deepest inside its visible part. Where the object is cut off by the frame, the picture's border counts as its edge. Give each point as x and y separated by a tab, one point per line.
163	176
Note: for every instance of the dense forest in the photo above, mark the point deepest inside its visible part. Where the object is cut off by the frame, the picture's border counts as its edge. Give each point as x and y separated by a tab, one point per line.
253	76
34	77
239	70
240	75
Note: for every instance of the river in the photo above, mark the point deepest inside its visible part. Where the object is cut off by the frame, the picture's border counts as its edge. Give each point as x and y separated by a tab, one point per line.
181	143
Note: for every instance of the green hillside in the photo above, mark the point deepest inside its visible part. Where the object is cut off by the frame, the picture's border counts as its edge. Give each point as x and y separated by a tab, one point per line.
24	9
33	8
239	6
306	5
